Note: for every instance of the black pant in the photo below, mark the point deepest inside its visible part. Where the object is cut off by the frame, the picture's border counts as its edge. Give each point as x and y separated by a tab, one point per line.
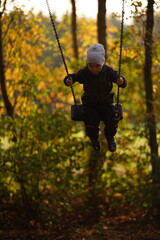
96	113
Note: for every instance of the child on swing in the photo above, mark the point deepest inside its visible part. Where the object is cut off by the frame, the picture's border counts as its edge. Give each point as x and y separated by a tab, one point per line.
97	79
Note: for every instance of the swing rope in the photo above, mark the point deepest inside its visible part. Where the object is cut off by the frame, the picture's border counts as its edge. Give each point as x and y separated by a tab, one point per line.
121	48
63	58
60	48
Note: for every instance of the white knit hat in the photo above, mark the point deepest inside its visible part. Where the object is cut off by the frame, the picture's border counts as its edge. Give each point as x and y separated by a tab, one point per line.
96	54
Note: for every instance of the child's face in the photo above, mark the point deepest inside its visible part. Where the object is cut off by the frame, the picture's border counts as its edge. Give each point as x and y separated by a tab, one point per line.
94	68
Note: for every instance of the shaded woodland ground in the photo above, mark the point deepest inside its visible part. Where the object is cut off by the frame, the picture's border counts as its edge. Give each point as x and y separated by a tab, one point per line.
83	224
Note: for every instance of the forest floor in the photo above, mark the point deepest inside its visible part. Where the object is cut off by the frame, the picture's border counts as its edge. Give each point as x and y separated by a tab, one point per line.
132	226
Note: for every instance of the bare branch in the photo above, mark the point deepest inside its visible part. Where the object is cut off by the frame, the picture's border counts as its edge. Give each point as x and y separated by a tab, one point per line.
3	7
11	19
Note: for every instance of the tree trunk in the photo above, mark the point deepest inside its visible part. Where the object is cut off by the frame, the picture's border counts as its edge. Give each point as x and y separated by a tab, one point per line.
151	122
7	103
101	23
96	195
74	30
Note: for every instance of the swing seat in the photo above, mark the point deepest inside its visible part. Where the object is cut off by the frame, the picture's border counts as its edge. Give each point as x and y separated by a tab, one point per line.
117	111
77	112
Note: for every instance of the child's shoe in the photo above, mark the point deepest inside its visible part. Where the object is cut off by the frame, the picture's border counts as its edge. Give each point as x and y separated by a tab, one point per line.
95	144
111	144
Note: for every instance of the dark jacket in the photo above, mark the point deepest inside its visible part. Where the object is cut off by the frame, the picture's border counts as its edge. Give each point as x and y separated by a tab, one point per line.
97	88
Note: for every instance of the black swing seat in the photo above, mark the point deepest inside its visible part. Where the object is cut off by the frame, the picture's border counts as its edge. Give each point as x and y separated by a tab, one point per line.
77	112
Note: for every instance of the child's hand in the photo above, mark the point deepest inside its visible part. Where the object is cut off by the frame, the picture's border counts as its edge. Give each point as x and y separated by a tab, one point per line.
120	81
69	81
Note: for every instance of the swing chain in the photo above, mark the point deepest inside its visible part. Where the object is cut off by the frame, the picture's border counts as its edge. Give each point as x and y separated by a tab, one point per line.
121	48
63	58
60	48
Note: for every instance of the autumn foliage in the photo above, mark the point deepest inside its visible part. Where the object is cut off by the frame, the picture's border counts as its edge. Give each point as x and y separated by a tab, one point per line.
49	174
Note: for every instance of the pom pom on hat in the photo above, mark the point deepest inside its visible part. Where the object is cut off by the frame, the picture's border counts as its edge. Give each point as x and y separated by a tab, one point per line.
96	54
